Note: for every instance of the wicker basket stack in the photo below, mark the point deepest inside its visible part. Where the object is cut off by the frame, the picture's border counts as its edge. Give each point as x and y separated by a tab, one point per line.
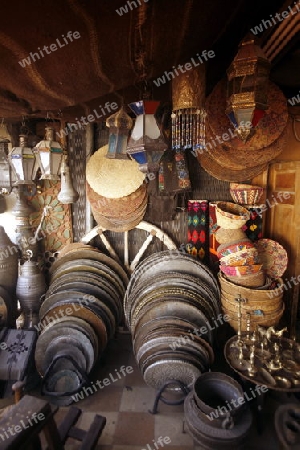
239	259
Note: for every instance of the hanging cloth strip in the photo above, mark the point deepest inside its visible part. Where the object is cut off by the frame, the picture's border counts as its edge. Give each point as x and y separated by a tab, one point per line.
198	231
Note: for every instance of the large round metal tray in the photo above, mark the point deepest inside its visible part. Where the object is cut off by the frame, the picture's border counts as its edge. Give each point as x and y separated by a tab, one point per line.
261	377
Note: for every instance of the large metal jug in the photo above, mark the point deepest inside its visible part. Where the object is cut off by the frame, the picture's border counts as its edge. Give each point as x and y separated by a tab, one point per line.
30	287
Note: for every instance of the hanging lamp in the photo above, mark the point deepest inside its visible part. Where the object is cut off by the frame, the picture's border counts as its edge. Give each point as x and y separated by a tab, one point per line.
188	116
247	93
49	154
146	144
5	168
22	160
119	125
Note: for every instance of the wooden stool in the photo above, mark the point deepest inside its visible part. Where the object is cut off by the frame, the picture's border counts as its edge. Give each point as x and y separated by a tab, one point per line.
22	424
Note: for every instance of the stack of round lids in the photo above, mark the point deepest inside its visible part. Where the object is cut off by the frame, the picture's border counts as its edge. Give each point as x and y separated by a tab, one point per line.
116	190
226	156
170	306
81	311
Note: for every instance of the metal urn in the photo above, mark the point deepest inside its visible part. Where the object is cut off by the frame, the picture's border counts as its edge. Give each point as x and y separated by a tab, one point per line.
30	287
9	271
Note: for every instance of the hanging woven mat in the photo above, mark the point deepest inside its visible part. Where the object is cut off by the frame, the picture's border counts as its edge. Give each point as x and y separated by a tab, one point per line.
242	158
269	128
223	173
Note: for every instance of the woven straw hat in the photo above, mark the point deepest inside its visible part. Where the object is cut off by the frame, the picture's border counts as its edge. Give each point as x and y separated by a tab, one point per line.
113	178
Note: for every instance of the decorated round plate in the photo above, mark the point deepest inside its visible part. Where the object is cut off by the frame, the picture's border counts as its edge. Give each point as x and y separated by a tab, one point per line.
164	370
273	257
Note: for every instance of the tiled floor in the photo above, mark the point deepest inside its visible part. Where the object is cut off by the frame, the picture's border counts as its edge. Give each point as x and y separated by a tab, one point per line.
125	403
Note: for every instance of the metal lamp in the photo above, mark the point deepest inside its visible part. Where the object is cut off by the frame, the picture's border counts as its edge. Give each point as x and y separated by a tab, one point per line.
247	92
119	126
22	161
49	155
5	169
146	144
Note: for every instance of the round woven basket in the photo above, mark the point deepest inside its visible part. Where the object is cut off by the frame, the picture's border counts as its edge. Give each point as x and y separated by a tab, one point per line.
270	306
226	235
230	215
242	258
233	247
251	281
264	321
257	295
266	306
246	194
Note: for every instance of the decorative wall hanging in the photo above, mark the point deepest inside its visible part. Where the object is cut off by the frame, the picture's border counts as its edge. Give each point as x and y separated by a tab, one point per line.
198	233
247	87
146	144
267	131
173	172
119	125
56	228
188	117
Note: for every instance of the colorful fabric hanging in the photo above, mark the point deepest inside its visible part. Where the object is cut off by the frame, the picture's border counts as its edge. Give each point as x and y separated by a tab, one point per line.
213	243
254	226
198	229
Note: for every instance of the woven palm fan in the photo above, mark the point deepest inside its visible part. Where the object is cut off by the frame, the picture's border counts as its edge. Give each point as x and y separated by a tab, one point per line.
223	173
242	158
113	178
116	190
267	131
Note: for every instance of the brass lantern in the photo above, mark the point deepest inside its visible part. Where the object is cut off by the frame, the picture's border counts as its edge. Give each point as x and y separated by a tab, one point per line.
49	155
247	93
119	126
22	161
146	144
